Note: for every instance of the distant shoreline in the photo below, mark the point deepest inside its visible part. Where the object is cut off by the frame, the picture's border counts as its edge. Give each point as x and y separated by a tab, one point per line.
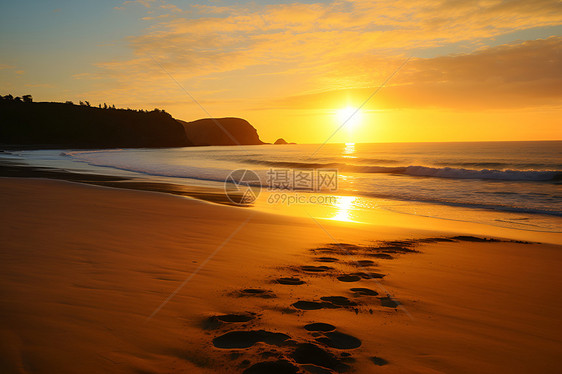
12	169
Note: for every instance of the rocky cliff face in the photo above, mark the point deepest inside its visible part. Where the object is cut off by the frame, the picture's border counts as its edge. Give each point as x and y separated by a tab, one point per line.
221	131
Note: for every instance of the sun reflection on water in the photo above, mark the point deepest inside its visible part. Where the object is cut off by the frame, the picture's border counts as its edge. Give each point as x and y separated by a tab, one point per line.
349	150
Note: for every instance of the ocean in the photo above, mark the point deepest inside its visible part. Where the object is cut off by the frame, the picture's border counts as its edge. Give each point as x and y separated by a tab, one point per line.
517	184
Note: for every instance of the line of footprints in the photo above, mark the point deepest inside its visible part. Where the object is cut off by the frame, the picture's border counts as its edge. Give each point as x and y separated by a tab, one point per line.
323	349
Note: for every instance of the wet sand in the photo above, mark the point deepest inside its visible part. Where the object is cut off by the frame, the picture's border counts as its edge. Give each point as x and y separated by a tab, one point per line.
16	169
96	279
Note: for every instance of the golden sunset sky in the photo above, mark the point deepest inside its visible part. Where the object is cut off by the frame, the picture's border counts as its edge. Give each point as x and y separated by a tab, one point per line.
477	70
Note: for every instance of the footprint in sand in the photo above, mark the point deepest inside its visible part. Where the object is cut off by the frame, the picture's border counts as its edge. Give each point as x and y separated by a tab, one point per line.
319	326
311	354
290	281
363	291
272	367
338	300
349	278
364	263
355	277
389	302
338	248
369	275
468	238
310	357
339	340
378	361
216	322
327	259
245	339
328	302
255	292
315	269
384	256
324	250
313	305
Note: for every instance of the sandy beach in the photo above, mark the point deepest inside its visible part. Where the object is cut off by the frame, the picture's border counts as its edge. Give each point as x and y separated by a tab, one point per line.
280	187
96	279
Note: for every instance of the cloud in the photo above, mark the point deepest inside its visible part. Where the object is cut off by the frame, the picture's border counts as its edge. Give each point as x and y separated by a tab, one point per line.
145	3
322	46
171	7
516	75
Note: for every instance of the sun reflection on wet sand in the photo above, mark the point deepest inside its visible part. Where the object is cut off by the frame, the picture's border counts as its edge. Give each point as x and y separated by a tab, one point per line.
345	206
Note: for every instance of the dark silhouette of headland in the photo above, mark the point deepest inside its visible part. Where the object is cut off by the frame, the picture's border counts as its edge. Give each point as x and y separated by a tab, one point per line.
221	131
25	124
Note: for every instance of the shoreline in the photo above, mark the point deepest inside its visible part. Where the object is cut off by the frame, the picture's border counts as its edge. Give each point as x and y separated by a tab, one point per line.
18	170
422	215
83	267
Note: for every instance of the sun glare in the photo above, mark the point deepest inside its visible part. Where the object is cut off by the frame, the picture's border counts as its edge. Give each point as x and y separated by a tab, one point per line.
344	205
350	116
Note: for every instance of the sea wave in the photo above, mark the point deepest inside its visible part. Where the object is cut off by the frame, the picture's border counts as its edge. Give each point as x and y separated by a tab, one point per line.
465	204
499	165
427	171
506	175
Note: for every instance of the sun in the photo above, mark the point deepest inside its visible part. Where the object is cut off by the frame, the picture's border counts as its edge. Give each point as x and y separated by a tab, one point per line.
351	116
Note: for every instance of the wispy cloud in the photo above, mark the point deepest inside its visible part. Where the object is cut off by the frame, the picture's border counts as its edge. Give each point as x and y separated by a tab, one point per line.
516	75
145	3
340	44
